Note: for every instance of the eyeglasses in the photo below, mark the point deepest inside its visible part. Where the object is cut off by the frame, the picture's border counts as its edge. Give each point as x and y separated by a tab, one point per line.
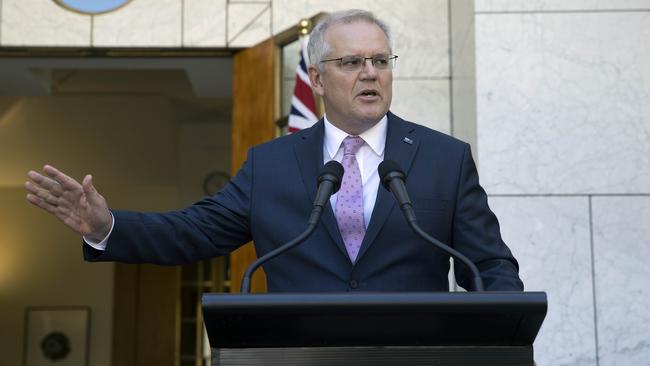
356	63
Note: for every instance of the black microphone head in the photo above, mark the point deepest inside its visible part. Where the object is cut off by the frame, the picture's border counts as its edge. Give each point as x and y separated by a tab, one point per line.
333	172
388	170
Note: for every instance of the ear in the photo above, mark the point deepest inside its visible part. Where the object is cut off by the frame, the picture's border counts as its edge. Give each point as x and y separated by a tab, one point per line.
316	80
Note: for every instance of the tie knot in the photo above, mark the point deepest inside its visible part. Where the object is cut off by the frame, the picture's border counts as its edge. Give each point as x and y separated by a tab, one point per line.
351	145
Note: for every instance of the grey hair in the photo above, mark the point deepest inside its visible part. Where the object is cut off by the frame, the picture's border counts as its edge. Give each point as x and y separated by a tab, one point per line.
318	48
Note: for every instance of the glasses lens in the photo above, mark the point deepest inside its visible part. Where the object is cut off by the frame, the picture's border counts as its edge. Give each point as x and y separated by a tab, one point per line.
381	61
351	63
390	61
355	63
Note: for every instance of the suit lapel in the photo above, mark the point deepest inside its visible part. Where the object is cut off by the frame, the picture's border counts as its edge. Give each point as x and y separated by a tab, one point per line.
401	146
309	154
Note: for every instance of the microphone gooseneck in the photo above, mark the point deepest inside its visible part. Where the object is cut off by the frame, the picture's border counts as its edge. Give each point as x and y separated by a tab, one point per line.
329	182
393	178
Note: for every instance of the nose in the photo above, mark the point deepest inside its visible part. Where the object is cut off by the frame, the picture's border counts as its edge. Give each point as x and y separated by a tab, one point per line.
368	70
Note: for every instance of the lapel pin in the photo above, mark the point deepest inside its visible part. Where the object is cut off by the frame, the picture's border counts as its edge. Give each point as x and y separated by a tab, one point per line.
408	140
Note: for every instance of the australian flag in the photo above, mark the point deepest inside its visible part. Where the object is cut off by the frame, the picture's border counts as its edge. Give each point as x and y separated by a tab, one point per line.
303	104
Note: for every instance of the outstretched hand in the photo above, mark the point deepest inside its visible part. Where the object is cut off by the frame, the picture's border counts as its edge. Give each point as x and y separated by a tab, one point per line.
78	206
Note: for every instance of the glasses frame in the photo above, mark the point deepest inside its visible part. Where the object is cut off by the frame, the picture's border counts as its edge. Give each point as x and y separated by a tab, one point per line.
392	60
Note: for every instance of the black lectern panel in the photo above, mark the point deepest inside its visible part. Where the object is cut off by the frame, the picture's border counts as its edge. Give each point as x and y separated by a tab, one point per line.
382	319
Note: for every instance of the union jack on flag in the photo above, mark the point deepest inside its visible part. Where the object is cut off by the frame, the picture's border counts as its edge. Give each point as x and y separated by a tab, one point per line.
303	103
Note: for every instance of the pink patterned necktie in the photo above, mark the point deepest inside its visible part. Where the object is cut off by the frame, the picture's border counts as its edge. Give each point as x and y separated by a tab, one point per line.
349	202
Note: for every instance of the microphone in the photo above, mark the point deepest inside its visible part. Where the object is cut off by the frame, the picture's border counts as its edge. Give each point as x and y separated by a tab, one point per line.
393	178
329	182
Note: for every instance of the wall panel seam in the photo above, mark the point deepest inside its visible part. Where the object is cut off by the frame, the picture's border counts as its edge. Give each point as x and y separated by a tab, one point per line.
577	11
250	23
450	55
593	278
227	5
1	23
182	23
569	195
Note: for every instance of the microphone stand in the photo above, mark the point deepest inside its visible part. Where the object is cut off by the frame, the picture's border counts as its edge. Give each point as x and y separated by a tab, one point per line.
329	182
392	178
477	280
313	222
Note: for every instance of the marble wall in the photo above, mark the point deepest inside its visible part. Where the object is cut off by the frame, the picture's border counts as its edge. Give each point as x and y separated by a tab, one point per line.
420	33
554	97
463	72
563	143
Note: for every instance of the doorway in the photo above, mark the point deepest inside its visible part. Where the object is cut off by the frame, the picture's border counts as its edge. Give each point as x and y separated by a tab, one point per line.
155	132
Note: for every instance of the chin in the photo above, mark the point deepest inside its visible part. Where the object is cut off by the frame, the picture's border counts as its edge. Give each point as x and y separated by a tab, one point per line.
373	117
368	122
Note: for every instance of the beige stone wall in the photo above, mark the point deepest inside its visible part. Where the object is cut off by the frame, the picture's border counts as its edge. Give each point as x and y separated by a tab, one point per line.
563	140
420	29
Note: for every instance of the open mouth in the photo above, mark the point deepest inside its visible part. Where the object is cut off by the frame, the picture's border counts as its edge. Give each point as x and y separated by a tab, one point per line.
369	93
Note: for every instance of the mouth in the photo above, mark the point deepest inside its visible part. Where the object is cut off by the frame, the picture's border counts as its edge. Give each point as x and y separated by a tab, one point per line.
368	94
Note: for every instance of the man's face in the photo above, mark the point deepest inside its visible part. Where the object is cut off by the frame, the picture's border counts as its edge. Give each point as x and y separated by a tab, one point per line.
354	101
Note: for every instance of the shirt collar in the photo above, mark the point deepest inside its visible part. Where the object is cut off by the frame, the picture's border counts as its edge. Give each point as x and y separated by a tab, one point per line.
375	137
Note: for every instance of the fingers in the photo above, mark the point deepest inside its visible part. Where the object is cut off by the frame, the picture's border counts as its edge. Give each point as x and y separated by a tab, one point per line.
49	184
42	193
52	206
62	214
65	181
49	194
39	202
78	206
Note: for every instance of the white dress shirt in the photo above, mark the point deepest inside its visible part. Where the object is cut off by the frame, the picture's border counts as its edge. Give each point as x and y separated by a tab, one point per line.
369	156
102	244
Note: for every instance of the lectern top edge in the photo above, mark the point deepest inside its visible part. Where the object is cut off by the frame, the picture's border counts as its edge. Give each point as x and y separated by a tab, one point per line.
487	319
492	298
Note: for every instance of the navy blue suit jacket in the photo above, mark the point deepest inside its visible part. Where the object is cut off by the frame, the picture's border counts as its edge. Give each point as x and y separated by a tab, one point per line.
270	199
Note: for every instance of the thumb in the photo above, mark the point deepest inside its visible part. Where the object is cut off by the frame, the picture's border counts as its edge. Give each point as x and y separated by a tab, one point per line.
91	193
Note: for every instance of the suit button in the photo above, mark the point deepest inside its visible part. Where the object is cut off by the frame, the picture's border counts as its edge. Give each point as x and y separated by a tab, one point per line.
353	284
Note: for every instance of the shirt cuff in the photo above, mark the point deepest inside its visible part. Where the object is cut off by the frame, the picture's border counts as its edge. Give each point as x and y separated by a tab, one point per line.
102	244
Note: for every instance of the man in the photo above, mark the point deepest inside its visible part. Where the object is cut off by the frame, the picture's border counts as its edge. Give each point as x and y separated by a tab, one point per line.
363	243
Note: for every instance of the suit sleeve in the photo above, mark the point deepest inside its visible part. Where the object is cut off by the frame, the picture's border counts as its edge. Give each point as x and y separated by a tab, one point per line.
476	234
211	227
